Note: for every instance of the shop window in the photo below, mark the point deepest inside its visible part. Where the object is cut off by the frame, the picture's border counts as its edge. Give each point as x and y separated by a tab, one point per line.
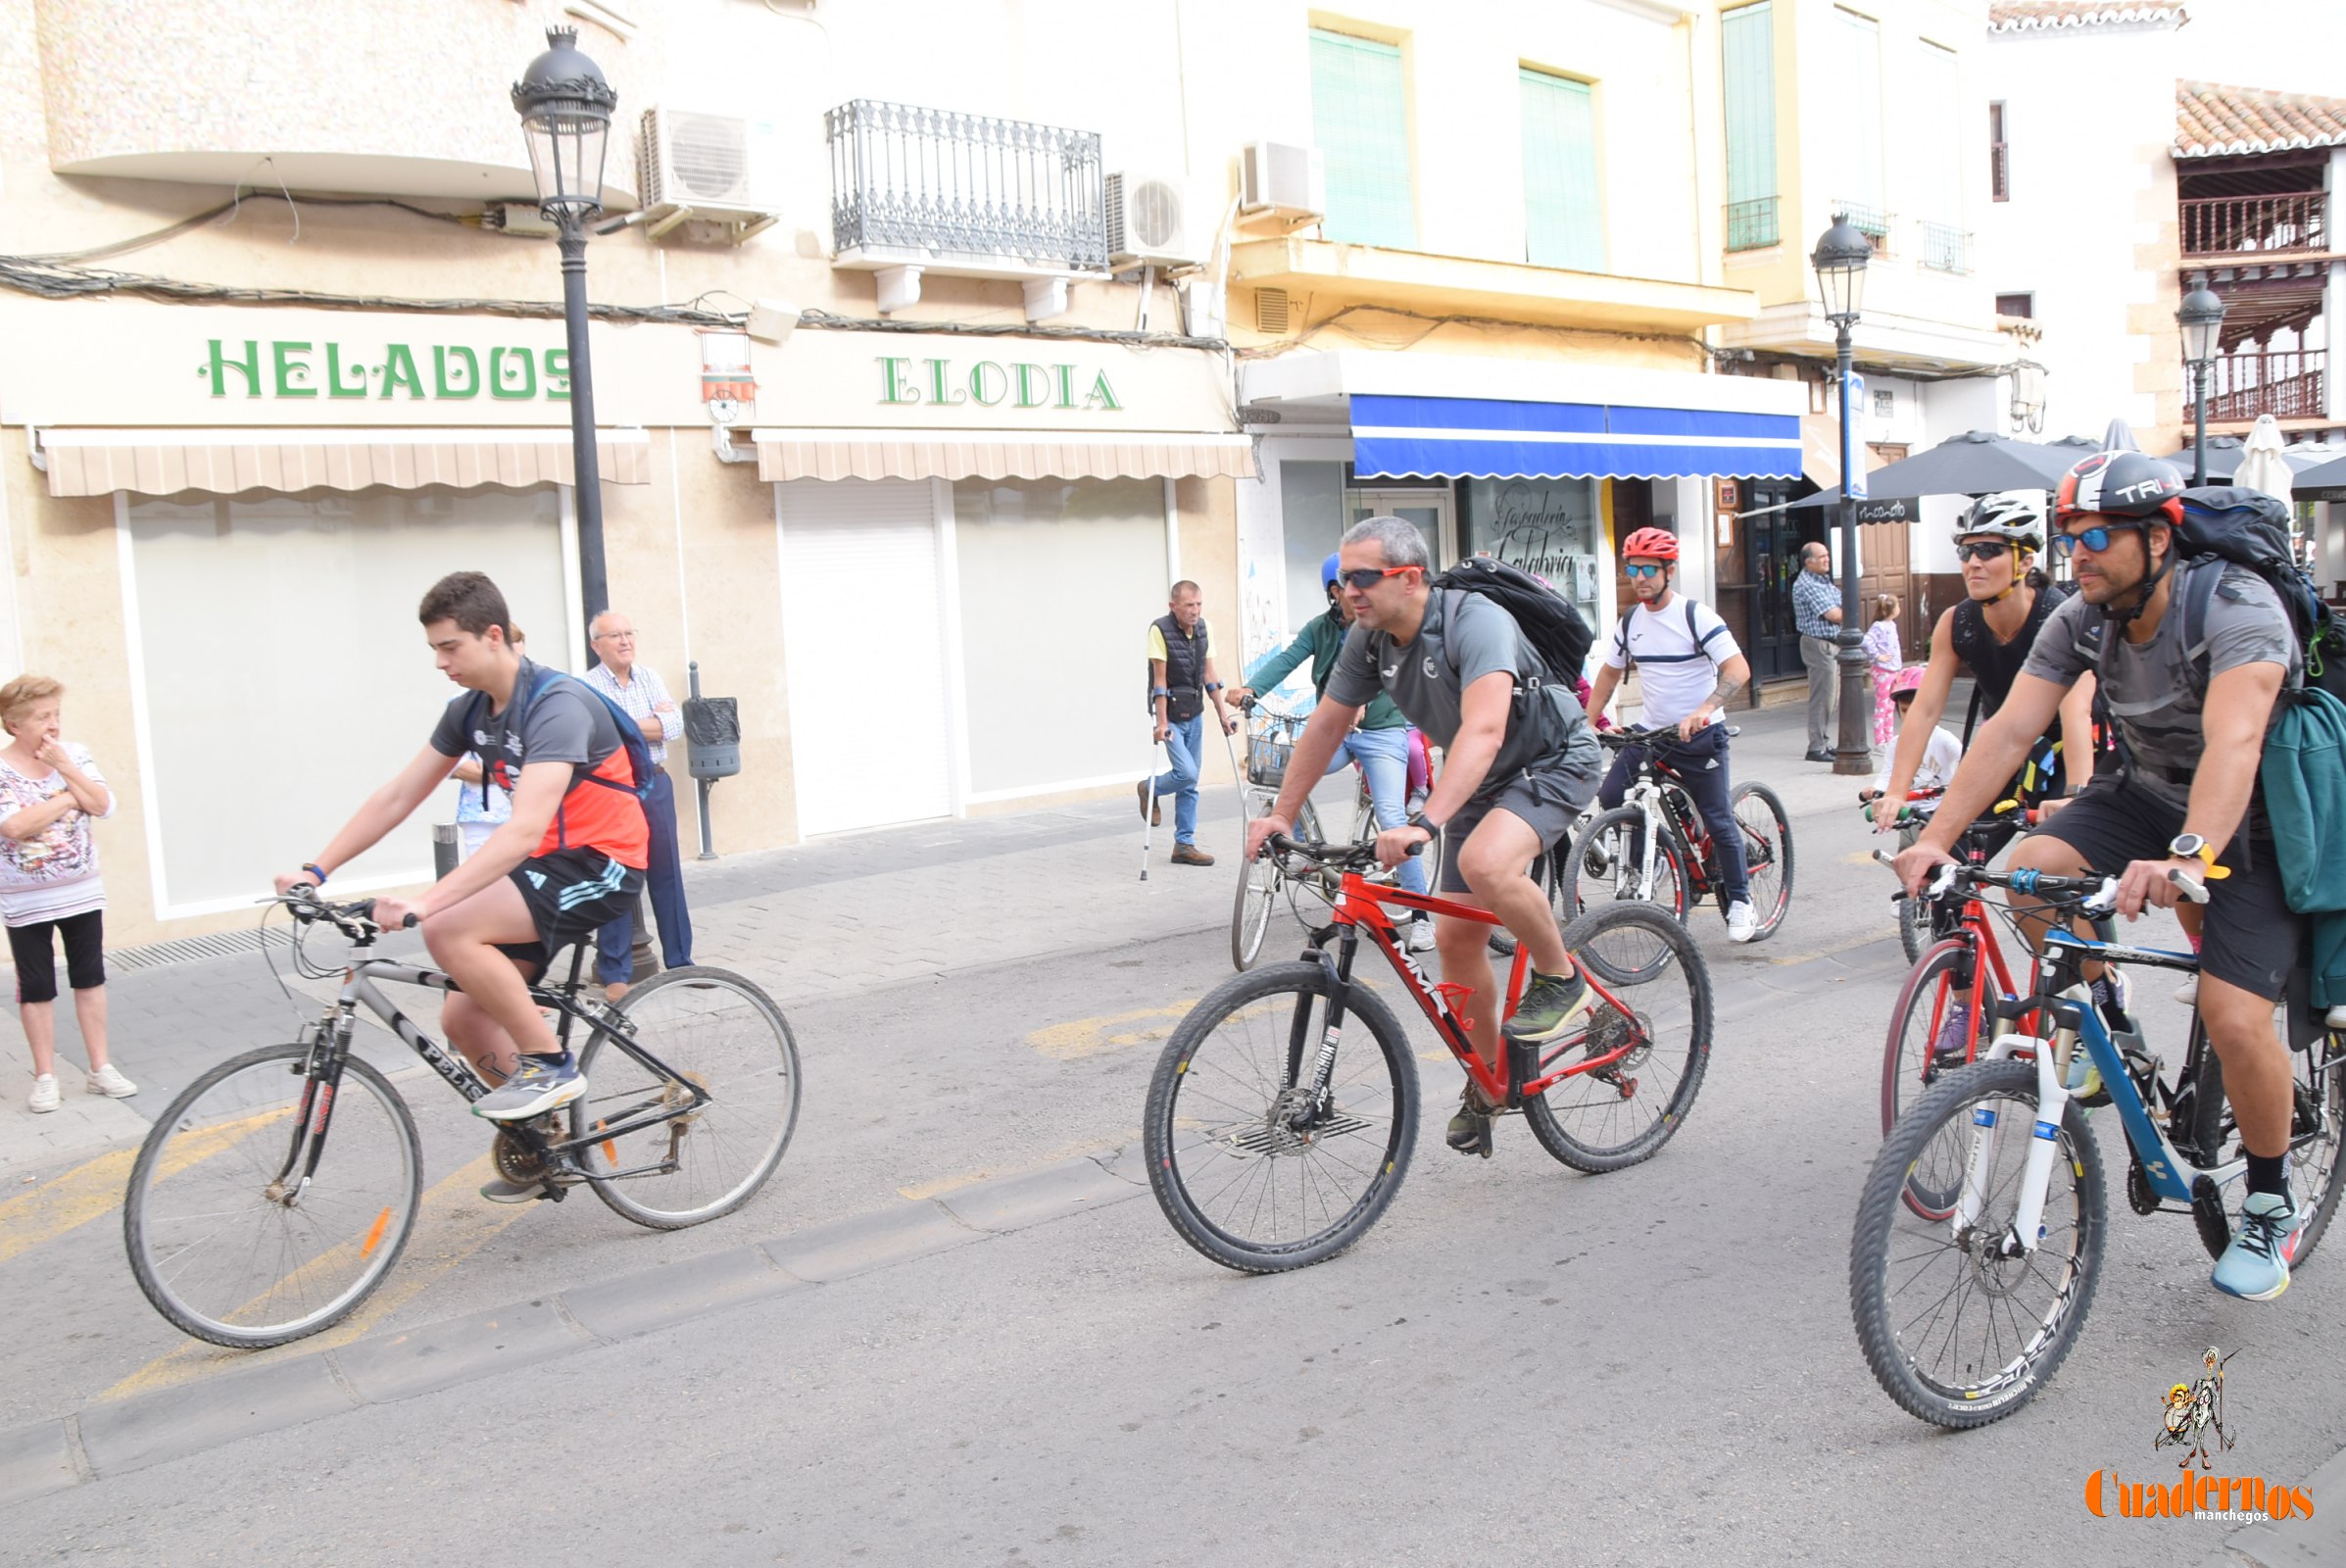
279	674
1058	583
1547	527
1360	121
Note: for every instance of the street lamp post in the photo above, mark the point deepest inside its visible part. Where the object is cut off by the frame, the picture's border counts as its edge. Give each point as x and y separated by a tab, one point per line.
1840	262
566	103
2201	318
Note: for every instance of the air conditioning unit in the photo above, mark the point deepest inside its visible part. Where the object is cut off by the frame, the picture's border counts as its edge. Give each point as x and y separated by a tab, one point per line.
1149	222
1281	178
715	167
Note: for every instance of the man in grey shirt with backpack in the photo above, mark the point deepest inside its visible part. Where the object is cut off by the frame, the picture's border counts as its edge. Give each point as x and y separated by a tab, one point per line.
1519	763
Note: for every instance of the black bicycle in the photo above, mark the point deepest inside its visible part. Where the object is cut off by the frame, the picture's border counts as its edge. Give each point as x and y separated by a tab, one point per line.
240	1231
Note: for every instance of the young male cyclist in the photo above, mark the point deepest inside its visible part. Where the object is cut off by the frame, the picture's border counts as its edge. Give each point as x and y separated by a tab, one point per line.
1380	746
2190	724
1519	762
1689	668
568	861
1989	633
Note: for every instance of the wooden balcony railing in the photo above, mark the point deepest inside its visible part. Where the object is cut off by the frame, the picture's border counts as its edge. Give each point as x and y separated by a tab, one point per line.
2287	383
2234	225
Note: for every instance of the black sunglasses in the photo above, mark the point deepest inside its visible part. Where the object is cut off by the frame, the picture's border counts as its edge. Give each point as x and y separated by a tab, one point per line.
1985	550
1368	578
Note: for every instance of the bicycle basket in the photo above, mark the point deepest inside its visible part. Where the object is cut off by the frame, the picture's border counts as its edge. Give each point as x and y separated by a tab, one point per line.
1267	757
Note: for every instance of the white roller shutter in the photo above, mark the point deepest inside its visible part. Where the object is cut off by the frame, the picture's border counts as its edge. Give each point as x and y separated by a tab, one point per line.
862	630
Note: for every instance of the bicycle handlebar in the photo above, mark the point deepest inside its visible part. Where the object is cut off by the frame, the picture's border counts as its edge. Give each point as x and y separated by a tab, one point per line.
2094	895
1342	856
355	919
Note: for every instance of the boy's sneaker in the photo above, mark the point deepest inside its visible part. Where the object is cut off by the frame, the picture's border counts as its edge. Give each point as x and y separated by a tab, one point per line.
1551	1005
1421	934
2256	1266
44	1094
539	1085
501	1189
1470	1130
2188	992
110	1082
1742	921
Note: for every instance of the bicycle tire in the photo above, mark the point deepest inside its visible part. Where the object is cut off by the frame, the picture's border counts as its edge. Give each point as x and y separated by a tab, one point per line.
1603	943
1929	988
211	1149
720	1029
1598	863
2319	1077
1203	1143
1914	911
1250	914
2009	1383
1766	854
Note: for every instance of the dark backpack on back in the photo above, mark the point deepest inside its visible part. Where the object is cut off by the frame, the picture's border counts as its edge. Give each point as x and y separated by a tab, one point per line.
1551	623
632	734
2249	528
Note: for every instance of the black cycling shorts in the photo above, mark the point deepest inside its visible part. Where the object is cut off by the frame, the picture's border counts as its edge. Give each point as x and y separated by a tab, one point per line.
571	895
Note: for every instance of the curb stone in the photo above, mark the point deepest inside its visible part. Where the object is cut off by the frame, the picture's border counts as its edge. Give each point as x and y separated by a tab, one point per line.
2319	1541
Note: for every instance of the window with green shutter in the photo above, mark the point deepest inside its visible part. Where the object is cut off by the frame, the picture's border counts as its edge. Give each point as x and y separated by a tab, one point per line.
1563	218
1748	49
1360	122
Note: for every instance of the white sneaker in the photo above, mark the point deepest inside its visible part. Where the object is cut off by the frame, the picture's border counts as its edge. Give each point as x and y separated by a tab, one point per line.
1421	935
1742	921
2336	1018
110	1082
44	1093
2188	992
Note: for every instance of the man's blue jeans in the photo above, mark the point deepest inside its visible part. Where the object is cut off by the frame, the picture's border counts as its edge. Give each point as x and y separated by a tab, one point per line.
1181	780
664	879
1384	756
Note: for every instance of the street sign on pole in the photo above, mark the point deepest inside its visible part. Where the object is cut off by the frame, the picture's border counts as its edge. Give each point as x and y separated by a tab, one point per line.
1851	463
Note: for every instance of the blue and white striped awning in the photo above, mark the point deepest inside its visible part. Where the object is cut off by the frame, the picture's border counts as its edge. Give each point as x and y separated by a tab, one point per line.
1485	438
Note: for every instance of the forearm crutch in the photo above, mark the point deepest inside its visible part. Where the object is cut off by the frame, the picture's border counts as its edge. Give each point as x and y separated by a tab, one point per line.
1148	817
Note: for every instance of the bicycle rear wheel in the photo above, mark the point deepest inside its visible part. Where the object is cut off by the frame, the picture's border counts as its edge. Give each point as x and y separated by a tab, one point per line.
1249	1169
227	1239
1599	868
1936	986
1914	912
1956	1332
1766	854
2316	1131
713	1029
1621	1115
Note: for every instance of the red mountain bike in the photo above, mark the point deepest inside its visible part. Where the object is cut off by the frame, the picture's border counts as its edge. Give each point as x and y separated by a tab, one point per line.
1284	1111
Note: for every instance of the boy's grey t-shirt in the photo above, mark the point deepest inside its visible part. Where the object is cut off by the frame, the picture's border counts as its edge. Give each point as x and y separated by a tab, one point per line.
2148	687
1463	638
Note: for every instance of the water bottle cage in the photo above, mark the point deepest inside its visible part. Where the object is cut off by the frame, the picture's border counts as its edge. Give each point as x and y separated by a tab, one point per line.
1454	996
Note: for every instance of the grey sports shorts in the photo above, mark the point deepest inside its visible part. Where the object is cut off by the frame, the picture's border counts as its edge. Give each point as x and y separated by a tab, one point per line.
1548	799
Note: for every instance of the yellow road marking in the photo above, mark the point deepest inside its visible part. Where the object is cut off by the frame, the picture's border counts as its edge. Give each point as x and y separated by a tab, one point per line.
1827	953
1089	1037
1089	1145
90	1191
451	1223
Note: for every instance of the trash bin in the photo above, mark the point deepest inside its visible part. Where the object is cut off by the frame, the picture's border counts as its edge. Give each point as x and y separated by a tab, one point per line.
712	736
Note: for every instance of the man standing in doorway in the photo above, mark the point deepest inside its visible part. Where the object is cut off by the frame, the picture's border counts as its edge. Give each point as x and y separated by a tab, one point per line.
639	690
1817	614
1181	679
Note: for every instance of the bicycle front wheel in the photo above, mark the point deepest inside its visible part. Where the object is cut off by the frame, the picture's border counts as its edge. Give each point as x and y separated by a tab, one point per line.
226	1237
1766	854
1251	913
1604	865
1959	1325
1621	1113
719	1032
1252	1168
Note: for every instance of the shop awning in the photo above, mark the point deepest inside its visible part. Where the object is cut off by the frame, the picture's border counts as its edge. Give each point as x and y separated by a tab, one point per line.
1426	437
165	461
953	454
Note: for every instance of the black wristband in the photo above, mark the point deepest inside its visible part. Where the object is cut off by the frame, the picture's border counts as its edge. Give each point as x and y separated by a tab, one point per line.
1425	824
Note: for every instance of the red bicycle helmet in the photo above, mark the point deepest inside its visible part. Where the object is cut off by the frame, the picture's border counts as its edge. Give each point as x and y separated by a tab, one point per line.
1653	544
2121	484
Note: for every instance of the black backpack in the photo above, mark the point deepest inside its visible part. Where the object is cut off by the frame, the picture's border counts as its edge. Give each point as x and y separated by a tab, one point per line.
1551	623
2249	528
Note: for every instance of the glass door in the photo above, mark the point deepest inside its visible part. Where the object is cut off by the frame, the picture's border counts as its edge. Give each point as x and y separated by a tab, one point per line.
1431	510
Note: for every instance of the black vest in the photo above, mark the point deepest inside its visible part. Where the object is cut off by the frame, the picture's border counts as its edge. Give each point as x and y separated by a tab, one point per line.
1185	667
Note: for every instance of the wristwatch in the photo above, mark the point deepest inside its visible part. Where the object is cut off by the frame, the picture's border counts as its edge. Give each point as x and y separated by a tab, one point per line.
2190	846
1424	825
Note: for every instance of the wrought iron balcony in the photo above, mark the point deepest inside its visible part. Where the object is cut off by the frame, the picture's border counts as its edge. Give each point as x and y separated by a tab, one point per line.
1871	221
960	193
1946	249
2236	225
2287	383
1751	224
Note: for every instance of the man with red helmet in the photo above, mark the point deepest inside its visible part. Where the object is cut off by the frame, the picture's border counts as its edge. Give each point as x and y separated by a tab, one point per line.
2190	724
1689	666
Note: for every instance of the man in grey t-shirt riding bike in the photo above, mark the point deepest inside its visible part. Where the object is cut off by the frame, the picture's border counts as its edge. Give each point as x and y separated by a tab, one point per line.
1520	763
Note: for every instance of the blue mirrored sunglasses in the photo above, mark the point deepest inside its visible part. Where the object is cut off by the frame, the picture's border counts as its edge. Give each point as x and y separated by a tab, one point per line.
1653	569
2095	539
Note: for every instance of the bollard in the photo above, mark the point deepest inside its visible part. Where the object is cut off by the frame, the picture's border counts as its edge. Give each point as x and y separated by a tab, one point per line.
444	849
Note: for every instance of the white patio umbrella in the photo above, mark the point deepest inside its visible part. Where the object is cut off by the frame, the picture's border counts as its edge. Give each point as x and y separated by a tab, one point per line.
2263	465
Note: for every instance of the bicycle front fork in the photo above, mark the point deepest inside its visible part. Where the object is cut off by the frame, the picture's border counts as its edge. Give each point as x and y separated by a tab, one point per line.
2052	1105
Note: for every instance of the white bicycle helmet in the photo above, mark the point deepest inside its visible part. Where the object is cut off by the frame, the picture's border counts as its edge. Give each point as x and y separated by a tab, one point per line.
2016	515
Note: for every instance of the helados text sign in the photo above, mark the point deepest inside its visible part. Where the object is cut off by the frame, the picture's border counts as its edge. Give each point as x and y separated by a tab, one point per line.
307	367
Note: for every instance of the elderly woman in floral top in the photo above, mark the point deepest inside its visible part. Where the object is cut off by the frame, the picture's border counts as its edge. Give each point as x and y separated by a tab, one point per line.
50	792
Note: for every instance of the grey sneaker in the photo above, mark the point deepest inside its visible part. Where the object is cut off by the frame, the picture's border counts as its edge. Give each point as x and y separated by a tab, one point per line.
498	1190
1470	1130
539	1085
1551	1005
1421	934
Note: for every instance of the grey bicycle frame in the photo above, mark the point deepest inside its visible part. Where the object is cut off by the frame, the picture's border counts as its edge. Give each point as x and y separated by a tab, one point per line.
358	990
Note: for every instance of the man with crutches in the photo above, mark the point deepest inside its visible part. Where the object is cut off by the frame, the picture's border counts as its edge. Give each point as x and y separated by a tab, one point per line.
1181	682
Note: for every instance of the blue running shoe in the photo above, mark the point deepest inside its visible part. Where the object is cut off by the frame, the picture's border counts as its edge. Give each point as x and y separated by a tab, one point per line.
2256	1266
539	1085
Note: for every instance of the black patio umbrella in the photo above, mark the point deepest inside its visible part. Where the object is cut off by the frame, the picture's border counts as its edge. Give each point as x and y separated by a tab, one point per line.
1875	509
2325	480
2226	452
1974	463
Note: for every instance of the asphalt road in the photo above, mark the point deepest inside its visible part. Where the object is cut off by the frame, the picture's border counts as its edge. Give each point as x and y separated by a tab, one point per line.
1652	1366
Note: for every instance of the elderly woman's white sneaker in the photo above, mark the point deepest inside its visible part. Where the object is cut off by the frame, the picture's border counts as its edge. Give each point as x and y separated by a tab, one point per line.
110	1082
44	1093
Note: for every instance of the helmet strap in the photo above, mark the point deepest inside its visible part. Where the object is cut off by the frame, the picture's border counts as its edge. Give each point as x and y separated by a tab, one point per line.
2150	584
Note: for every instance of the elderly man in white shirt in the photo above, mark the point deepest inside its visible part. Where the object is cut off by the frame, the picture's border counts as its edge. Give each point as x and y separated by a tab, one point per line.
639	690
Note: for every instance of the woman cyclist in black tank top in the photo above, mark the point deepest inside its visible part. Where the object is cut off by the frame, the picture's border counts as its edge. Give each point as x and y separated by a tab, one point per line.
1989	634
